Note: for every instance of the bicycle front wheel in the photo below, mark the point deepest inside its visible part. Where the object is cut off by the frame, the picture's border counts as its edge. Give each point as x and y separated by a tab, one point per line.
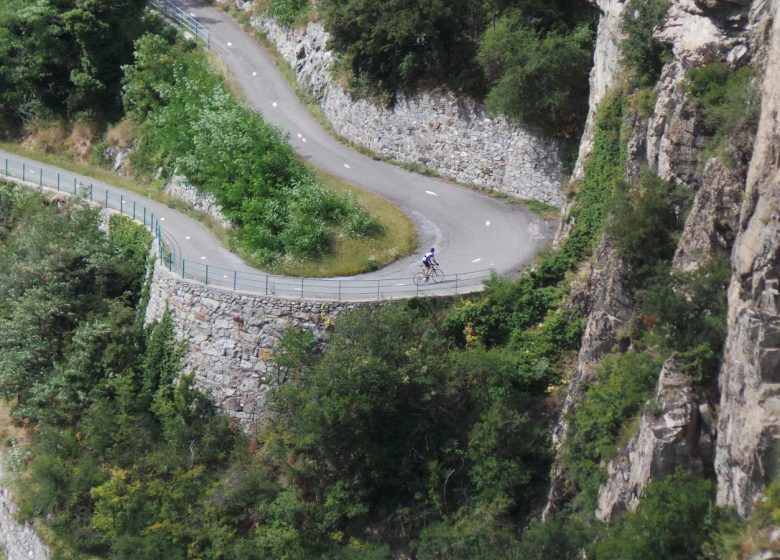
437	275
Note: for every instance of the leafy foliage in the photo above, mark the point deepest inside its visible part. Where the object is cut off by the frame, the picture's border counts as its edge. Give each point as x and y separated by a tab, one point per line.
533	57
463	433
61	270
674	521
538	80
727	100
289	12
686	312
646	223
622	385
402	44
644	55
190	124
55	59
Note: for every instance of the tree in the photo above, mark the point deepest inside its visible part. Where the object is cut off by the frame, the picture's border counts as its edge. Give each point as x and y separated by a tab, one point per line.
55	59
399	45
539	79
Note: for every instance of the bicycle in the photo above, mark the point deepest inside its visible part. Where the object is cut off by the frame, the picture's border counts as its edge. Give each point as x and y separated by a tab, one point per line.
436	275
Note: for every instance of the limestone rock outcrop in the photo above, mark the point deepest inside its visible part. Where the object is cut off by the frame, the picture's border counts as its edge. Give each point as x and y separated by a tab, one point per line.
749	420
674	431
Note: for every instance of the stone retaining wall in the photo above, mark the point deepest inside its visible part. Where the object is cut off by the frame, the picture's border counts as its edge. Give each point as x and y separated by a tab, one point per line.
451	135
178	187
229	336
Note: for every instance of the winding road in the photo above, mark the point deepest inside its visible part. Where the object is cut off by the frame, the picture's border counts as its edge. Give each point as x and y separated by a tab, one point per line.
471	231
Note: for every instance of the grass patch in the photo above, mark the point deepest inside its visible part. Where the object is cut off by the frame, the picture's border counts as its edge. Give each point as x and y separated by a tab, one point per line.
356	255
542	209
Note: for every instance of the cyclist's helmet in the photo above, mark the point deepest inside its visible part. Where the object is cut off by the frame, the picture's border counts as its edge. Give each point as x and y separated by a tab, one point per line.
433	250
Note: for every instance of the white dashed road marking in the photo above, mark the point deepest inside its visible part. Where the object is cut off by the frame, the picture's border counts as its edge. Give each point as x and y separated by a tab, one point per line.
299	135
187	237
303	139
254	73
273	104
431	193
487	223
347	166
535	230
162	219
203	258
229	44
477	260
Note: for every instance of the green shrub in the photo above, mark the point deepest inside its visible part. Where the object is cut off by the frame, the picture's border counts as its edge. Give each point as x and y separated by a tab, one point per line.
543	80
400	45
191	125
726	99
642	53
686	312
290	12
622	385
674	520
647	220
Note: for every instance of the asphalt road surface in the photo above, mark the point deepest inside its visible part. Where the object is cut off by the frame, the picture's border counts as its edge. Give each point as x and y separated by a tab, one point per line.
471	231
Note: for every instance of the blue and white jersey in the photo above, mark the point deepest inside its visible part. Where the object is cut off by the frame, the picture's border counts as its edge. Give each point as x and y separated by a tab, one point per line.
427	258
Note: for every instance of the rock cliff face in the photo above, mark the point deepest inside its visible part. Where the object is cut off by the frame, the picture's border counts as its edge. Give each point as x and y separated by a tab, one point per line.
749	418
19	539
677	431
735	206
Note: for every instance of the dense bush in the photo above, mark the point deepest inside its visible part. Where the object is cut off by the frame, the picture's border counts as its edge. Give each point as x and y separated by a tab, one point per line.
389	429
288	12
189	124
402	44
540	81
533	56
686	312
674	520
644	55
726	99
55	59
61	275
646	224
621	387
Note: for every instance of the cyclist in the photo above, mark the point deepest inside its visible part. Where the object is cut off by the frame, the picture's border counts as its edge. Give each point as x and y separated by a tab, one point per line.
428	261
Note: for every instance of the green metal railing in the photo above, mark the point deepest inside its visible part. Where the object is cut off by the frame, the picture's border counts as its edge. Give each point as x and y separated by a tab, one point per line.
182	19
170	255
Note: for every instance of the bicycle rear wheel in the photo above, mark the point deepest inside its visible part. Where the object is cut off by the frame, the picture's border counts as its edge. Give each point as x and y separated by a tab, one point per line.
437	275
418	278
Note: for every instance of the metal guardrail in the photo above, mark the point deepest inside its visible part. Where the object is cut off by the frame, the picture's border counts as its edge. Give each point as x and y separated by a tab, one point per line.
183	19
171	257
